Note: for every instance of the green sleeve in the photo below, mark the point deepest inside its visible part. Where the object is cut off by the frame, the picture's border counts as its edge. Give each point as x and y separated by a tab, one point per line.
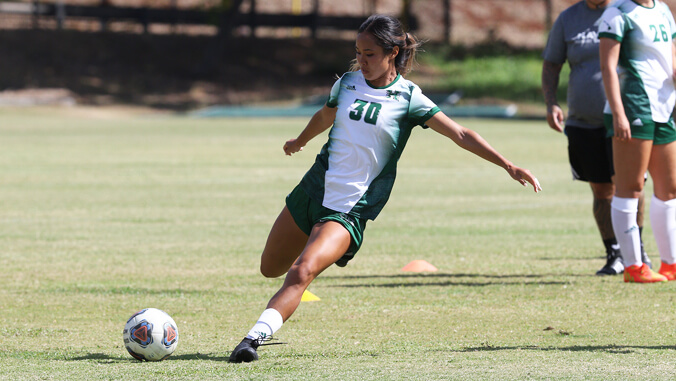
332	102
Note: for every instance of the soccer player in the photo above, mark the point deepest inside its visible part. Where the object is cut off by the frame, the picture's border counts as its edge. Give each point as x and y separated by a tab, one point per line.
372	111
574	38
637	62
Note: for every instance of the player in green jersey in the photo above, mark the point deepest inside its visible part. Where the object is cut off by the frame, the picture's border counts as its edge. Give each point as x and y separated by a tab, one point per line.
371	112
637	63
574	38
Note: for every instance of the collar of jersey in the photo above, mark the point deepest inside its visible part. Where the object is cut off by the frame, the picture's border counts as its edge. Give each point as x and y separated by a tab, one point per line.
386	86
643	6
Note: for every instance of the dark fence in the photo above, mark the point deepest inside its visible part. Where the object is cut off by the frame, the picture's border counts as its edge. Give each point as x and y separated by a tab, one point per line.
225	21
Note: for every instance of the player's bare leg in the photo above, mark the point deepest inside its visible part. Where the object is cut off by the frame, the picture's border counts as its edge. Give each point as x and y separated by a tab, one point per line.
285	243
327	243
633	157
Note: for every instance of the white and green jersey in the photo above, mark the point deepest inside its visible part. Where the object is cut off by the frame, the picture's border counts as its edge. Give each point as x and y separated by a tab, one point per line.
355	170
645	66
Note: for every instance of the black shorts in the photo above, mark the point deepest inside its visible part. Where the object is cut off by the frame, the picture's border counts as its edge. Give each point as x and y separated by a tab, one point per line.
590	154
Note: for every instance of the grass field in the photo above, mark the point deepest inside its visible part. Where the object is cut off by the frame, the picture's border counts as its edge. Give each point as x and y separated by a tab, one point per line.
104	212
513	76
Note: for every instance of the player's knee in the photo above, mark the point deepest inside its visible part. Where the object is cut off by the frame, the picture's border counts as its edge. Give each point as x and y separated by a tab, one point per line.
629	190
302	274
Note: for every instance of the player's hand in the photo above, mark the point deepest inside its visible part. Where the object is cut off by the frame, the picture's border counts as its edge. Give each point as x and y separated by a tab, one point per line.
524	177
621	128
555	118
292	146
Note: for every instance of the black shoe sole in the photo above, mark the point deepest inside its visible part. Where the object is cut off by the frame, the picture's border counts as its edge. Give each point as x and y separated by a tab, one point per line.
244	355
244	352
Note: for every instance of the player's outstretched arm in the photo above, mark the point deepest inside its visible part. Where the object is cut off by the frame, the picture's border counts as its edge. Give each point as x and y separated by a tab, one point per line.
473	142
320	122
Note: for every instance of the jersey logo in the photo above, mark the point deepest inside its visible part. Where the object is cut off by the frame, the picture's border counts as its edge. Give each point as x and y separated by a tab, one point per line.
637	122
350	87
393	94
587	37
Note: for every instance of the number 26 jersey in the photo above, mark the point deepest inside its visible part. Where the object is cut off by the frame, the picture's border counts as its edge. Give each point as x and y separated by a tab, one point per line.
645	64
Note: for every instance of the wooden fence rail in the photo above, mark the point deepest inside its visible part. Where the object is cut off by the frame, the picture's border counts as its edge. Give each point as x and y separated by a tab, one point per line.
146	16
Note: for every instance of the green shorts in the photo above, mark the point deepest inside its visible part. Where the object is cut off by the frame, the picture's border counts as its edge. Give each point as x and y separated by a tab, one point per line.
308	212
659	133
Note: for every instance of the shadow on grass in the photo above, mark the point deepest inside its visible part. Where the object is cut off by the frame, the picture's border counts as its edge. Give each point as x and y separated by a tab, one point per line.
106	359
447	284
492	280
452	275
101	358
199	356
617	349
594	258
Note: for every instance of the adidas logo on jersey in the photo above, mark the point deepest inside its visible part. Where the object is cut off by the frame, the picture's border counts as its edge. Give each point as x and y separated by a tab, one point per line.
350	87
637	122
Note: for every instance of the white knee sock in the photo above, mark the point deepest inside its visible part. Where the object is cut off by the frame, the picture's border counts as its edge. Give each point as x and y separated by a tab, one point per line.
623	213
663	221
269	322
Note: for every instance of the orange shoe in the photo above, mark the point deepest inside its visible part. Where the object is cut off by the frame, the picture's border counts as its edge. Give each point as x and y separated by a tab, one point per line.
668	271
642	274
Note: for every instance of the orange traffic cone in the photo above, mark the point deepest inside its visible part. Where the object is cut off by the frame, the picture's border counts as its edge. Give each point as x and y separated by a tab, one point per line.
419	266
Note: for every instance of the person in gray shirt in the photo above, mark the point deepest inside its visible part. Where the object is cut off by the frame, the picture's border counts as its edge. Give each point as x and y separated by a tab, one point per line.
574	38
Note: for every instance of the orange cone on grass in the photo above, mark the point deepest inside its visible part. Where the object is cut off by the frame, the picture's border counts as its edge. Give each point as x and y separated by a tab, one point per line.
419	266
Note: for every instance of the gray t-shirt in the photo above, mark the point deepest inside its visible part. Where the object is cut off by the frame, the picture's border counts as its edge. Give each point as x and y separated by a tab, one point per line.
575	38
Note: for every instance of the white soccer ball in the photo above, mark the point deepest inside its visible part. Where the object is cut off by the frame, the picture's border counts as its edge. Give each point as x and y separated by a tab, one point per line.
150	335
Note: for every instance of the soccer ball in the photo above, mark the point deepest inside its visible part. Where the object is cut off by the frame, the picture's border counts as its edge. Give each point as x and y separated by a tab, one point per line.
150	335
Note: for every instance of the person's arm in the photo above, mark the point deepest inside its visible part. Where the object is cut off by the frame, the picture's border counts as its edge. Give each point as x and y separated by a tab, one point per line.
609	52
320	122
473	142
550	83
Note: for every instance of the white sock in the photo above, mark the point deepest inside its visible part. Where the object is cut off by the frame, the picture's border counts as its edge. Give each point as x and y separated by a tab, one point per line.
663	221
623	214
269	322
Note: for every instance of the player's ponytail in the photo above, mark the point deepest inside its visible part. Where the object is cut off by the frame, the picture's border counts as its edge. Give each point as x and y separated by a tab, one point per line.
389	33
406	57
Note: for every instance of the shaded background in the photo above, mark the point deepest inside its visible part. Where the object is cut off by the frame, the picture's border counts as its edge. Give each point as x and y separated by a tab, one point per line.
225	54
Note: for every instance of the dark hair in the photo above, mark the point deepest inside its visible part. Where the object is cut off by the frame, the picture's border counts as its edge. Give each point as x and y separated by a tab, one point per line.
389	33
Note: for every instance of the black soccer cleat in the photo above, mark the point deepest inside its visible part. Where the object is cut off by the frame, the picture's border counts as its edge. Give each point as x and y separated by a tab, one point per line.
245	351
614	265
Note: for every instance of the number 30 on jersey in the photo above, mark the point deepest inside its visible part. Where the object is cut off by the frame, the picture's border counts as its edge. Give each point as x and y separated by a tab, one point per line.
369	110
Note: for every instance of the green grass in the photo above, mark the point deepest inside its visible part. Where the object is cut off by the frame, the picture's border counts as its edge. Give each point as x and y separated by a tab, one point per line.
103	213
515	76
